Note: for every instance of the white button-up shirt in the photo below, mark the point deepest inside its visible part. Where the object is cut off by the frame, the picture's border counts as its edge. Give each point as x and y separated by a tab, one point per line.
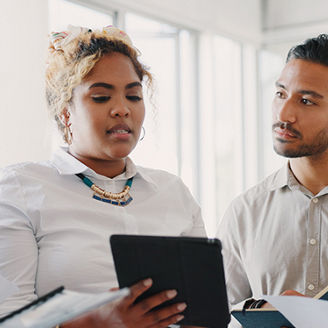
274	238
52	232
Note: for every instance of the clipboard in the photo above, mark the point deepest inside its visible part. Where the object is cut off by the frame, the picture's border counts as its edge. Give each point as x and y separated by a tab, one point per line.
192	266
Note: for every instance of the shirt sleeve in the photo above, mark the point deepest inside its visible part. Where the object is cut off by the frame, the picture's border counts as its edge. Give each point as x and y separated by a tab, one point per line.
18	248
228	232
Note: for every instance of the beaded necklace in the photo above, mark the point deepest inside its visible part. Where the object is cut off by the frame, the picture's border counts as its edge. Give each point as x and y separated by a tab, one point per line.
122	198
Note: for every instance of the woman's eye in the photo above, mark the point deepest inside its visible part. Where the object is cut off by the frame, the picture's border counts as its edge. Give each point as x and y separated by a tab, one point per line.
307	101
134	98
100	99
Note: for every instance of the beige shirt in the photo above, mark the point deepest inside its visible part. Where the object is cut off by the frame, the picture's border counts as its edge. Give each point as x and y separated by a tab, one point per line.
275	237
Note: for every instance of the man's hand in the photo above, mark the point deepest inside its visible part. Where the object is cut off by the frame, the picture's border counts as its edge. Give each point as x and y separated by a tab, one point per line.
285	293
127	314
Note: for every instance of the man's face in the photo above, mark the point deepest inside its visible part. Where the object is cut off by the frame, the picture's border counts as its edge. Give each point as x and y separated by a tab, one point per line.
300	110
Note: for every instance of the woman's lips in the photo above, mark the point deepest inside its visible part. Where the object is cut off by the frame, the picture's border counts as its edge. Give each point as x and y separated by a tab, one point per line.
120	131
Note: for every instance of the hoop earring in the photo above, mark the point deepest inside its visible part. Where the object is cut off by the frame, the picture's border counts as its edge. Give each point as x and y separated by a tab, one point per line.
143	135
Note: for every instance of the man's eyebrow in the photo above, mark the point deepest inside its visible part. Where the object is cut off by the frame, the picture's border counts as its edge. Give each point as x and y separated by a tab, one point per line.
133	84
302	92
311	93
102	85
279	85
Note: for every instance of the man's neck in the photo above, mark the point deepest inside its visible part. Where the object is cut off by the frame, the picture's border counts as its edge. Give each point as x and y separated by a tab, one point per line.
311	172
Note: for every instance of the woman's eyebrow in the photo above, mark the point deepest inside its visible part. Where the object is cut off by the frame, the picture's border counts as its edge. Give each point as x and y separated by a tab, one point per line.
110	86
133	84
101	84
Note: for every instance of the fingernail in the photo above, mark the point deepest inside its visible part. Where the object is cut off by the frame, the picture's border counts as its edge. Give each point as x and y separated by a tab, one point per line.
180	317
148	282
181	306
171	293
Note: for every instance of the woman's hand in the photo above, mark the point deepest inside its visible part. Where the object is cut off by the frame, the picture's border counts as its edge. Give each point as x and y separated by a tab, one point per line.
126	314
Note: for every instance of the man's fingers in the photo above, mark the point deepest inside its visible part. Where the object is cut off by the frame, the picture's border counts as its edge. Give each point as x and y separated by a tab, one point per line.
155	300
291	293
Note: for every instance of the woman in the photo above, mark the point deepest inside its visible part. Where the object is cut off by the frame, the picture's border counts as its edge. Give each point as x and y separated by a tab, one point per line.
56	216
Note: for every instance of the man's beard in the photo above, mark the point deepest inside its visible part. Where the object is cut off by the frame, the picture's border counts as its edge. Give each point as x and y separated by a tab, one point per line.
318	145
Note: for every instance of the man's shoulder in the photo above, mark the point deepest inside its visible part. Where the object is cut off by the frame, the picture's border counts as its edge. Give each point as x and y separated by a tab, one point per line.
263	189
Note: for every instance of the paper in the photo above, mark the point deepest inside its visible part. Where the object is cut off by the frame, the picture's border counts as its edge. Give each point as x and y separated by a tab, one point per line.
7	288
61	307
302	312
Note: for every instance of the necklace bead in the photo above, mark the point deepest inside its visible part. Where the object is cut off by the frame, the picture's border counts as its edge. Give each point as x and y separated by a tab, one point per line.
122	198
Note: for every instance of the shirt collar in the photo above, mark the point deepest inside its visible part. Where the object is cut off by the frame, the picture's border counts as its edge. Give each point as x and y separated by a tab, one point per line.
286	178
282	177
66	164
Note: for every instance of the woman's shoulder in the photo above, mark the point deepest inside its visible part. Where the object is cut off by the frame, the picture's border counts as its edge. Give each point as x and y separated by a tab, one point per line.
158	175
25	169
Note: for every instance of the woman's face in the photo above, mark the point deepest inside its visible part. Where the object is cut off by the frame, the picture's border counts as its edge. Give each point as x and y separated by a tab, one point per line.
107	110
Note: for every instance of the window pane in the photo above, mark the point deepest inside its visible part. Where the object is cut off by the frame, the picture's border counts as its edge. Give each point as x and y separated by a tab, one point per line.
270	65
158	45
228	122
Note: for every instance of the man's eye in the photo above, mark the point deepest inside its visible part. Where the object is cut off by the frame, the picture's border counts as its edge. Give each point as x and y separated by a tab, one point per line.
307	102
279	94
100	99
134	98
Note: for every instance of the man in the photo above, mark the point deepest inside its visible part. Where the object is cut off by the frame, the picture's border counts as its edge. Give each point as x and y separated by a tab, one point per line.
275	235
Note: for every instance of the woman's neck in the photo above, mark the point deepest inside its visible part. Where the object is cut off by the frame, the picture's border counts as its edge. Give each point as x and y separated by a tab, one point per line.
109	168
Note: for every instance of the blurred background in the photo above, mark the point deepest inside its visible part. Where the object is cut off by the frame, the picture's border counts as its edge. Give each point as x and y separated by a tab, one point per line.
214	61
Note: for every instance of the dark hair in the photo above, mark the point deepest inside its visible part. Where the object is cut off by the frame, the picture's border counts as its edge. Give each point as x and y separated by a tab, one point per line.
314	50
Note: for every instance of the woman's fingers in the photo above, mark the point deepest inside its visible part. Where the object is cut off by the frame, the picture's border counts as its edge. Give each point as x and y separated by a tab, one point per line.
136	290
169	321
167	313
151	302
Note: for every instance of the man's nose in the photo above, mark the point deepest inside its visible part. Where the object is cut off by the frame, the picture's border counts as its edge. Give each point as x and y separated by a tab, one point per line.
286	111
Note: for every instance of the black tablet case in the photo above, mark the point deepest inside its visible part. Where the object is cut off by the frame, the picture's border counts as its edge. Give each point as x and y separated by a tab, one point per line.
192	266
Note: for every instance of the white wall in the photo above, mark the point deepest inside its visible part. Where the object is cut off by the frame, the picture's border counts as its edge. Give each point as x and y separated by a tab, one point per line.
240	19
23	25
286	23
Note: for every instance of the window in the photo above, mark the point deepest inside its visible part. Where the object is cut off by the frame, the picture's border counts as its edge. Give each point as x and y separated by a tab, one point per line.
270	66
170	125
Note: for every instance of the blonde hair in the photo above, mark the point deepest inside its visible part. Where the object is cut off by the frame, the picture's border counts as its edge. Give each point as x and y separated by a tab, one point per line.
69	64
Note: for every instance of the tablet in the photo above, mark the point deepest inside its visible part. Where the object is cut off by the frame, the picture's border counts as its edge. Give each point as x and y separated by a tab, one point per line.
192	266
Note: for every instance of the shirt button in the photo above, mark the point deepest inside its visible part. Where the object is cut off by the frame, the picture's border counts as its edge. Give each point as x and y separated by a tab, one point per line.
313	241
310	287
315	200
